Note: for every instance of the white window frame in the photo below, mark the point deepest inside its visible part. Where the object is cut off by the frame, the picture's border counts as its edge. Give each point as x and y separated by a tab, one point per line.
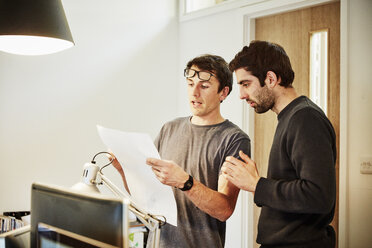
221	7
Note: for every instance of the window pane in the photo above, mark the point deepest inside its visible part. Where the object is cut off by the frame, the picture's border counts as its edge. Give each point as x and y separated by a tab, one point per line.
193	5
319	68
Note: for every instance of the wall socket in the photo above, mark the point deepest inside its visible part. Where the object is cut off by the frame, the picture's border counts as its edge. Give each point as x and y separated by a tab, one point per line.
366	165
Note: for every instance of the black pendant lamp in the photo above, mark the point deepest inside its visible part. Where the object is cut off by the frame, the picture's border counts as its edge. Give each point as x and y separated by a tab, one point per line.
33	27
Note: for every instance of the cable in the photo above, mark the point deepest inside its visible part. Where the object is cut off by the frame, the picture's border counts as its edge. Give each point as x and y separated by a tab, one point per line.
111	160
158	217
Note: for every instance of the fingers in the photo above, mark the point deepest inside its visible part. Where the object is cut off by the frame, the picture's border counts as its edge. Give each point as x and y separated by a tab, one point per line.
156	171
158	163
154	162
115	162
229	170
227	167
233	161
233	166
228	177
248	160
157	166
110	155
245	157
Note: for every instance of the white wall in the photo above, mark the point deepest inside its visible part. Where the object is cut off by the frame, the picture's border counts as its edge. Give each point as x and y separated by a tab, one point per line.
121	74
359	123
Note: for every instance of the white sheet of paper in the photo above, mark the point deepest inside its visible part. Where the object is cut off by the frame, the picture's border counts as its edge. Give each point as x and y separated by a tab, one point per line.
131	150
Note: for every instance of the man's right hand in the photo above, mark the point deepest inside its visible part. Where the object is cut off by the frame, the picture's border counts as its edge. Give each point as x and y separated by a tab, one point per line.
243	174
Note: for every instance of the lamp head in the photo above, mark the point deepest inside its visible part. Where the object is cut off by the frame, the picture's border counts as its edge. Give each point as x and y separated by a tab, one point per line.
88	183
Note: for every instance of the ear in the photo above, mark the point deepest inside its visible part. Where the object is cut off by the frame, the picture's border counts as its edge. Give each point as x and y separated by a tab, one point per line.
223	93
271	79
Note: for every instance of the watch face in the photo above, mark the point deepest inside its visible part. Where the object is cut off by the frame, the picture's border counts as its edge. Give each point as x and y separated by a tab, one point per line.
188	184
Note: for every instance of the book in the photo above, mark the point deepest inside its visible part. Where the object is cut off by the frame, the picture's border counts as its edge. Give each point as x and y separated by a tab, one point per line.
8	223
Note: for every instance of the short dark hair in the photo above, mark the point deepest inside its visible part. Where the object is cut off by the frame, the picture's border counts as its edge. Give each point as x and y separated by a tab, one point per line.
263	56
216	65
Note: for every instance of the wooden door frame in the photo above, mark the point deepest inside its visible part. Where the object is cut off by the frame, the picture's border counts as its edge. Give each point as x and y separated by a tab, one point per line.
248	15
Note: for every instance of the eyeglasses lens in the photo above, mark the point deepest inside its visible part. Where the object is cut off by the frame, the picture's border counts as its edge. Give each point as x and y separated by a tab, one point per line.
202	75
189	73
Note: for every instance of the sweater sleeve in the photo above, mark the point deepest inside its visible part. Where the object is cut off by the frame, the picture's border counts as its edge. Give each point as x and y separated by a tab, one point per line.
310	145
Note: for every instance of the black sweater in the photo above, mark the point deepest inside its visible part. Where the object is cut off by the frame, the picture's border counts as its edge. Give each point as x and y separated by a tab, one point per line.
298	196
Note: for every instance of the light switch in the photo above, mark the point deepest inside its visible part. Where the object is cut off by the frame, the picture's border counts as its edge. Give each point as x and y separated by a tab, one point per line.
366	165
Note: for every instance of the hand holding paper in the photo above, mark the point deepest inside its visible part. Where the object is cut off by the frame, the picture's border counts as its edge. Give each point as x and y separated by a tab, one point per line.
168	172
131	150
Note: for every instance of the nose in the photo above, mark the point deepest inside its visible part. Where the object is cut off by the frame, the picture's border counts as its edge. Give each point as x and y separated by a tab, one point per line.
195	90
242	93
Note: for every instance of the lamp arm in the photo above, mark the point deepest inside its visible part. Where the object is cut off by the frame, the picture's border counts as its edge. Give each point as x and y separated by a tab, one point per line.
148	220
151	222
114	189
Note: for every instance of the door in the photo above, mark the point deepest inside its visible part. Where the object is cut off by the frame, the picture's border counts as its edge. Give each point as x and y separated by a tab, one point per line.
292	31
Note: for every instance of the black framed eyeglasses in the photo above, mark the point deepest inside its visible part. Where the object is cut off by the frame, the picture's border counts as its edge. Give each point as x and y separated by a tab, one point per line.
202	75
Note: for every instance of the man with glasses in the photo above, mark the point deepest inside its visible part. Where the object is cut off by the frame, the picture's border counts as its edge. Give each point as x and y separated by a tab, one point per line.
193	150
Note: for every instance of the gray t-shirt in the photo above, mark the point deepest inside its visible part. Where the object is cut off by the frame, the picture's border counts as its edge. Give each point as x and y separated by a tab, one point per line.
200	151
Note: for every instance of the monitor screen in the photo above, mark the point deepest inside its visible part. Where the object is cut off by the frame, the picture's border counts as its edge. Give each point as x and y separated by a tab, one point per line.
53	237
98	217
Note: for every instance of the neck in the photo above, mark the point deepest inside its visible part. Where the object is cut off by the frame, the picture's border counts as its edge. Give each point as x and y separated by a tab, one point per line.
204	121
284	97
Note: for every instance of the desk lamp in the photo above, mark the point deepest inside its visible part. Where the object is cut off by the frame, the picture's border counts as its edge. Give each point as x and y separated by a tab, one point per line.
93	176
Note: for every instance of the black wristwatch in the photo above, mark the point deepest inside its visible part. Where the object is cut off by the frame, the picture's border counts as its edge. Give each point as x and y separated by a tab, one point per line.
188	184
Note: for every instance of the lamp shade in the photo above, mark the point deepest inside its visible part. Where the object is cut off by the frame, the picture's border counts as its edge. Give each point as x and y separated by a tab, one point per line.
87	183
33	27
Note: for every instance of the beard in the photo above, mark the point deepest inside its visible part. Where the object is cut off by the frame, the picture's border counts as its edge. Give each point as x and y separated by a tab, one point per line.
265	100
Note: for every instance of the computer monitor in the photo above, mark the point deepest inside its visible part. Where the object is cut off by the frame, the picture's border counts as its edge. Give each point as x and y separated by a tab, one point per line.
63	211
